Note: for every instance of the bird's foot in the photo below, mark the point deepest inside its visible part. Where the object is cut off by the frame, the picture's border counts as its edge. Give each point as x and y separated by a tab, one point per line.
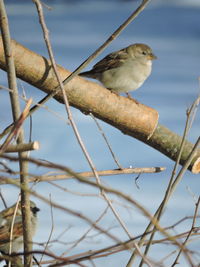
114	92
131	98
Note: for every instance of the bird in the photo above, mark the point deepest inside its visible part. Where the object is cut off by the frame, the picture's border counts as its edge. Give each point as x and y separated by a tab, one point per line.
6	219
123	70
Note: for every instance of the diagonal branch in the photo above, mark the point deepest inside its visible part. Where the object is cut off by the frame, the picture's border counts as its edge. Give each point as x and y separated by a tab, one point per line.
134	119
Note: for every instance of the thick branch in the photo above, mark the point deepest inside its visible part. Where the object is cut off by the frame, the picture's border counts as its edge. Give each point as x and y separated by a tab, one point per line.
87	96
131	118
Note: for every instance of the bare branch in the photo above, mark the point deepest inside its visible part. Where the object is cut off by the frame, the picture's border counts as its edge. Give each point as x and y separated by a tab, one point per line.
12	84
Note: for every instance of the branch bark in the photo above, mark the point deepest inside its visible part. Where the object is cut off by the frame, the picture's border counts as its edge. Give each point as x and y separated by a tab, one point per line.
134	119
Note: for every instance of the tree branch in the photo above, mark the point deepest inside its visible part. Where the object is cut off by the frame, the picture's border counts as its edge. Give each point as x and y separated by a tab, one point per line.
8	51
134	119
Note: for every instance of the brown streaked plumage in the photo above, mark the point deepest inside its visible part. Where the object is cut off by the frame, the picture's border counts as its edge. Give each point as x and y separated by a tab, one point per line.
6	218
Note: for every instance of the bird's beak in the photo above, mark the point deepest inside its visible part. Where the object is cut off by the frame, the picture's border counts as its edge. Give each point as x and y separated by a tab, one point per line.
152	57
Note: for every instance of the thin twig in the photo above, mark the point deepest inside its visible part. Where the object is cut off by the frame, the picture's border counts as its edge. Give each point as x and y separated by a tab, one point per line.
178	178
190	232
107	143
104	252
174	182
171	186
51	232
3	200
16	128
86	233
32	178
102	187
12	227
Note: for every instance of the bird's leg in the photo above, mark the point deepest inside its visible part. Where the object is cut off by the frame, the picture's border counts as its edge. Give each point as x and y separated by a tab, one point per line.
128	95
131	98
114	92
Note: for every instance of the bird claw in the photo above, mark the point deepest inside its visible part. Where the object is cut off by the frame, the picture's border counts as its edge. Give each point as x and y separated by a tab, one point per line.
131	98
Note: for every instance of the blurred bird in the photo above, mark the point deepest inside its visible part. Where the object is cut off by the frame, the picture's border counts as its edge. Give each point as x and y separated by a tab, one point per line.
124	70
6	218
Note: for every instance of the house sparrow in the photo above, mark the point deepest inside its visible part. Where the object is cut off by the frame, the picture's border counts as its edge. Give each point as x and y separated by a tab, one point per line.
124	70
6	218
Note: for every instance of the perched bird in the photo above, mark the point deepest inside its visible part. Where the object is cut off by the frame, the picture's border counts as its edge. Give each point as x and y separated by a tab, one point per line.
124	70
6	218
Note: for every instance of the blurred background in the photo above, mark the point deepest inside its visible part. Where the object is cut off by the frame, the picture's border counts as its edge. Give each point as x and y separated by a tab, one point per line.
77	28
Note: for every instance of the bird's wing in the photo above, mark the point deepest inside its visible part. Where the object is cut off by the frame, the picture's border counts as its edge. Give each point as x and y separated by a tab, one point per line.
113	60
5	231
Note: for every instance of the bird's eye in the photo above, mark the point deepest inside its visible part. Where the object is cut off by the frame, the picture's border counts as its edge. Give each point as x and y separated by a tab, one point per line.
144	53
34	210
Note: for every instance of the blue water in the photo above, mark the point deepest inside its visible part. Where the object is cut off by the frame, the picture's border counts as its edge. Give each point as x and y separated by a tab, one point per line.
77	28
